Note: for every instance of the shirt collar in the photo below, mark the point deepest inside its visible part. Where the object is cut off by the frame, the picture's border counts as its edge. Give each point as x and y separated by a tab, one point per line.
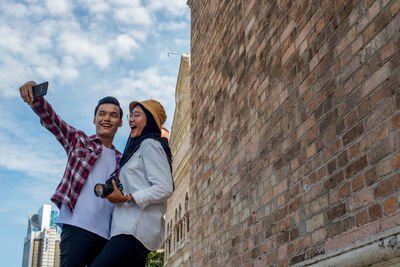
96	139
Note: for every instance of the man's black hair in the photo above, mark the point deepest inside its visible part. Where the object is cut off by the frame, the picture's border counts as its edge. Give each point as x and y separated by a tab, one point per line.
109	100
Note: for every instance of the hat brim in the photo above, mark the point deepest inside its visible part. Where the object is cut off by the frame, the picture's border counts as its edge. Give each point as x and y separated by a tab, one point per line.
133	104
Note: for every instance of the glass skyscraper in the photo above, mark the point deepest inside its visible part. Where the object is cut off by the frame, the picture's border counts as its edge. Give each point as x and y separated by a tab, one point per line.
42	240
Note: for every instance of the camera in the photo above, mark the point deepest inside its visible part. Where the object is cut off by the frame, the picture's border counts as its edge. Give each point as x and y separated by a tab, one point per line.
102	190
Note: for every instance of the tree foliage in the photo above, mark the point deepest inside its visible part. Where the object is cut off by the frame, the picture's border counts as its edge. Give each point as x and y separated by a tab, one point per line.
155	259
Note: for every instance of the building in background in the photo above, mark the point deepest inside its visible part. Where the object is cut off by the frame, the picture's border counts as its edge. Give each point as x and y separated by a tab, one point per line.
42	240
176	244
295	133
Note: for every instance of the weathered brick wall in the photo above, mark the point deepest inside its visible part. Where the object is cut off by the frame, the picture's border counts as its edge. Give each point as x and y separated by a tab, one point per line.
295	127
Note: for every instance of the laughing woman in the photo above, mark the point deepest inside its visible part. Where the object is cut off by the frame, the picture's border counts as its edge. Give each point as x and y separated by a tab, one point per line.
137	225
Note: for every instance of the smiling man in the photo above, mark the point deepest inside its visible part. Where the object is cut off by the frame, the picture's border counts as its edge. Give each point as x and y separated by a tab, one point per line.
84	218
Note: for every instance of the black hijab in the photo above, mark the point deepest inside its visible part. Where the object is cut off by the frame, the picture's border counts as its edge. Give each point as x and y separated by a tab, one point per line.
151	130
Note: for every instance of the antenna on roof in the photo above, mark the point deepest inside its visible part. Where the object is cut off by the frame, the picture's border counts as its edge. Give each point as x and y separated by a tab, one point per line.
173	53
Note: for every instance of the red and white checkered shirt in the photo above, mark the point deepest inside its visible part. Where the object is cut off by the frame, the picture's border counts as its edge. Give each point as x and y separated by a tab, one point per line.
82	151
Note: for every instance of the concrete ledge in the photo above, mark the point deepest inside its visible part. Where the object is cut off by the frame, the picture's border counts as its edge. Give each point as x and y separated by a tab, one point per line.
382	249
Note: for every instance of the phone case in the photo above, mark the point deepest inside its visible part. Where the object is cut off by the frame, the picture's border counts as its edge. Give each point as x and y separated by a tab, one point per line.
40	89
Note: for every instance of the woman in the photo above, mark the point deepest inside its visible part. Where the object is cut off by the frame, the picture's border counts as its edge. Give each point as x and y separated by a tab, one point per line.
137	225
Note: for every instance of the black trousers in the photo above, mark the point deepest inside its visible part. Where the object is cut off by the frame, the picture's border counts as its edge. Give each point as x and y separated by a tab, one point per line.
122	250
79	247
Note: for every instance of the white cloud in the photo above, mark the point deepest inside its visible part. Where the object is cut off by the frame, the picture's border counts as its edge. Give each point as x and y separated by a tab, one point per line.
58	7
150	83
96	6
133	15
14	41
12	71
17	10
124	45
147	84
26	152
172	26
182	42
174	7
84	50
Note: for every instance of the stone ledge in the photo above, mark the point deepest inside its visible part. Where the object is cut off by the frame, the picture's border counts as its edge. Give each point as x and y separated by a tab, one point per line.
382	249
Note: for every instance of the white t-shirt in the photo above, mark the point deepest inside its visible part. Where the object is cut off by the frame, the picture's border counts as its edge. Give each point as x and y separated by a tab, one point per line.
93	213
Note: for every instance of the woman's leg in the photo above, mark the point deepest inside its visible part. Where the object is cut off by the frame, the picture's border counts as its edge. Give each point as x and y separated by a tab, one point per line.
122	250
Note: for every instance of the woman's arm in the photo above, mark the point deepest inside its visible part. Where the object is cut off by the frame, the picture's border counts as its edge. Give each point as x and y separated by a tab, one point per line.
158	173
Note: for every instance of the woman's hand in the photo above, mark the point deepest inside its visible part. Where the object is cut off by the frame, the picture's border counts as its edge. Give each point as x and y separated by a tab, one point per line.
116	196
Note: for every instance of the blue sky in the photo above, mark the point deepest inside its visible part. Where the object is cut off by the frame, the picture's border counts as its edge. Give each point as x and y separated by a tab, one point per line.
86	49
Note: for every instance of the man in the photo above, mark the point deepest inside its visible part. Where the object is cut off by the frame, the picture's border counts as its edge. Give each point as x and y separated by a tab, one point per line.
84	218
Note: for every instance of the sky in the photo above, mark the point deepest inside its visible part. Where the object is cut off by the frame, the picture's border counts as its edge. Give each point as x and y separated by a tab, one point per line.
85	49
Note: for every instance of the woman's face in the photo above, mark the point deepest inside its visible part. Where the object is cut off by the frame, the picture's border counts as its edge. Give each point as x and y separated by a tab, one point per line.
137	121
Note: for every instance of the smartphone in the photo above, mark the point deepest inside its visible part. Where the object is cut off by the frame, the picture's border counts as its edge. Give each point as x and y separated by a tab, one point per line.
40	89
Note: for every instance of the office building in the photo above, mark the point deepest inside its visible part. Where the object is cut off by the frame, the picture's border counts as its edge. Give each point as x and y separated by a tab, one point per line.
42	240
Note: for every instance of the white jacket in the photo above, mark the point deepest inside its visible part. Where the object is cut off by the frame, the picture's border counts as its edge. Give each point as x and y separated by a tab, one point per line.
147	177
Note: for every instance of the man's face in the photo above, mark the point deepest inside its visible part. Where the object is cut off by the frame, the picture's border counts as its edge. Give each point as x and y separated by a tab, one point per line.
137	121
107	120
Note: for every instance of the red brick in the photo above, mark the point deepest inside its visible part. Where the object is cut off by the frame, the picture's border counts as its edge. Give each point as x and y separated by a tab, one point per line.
369	33
368	2
397	99
371	14
395	8
383	19
390	205
345	191
348	223
351	118
361	199
335	212
355	150
333	180
395	122
362	217
363	108
382	150
386	187
381	132
375	212
353	133
371	176
337	229
387	50
396	160
356	166
343	159
320	25
339	4
384	167
357	183
375	80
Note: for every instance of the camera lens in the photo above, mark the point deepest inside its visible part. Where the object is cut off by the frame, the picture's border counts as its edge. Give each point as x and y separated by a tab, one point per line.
98	190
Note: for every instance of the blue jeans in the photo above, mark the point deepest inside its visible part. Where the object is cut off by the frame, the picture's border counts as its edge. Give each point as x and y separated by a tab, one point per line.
79	247
122	250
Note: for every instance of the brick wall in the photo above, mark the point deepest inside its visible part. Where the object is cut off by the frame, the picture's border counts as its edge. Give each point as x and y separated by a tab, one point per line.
295	127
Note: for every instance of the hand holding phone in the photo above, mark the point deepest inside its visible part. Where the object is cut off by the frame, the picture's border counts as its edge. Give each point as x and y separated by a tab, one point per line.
30	90
40	89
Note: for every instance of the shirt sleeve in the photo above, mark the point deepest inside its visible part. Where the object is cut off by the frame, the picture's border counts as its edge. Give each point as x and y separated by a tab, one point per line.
159	175
64	133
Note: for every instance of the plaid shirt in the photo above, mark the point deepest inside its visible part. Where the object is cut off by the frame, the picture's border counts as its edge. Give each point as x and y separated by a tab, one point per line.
82	151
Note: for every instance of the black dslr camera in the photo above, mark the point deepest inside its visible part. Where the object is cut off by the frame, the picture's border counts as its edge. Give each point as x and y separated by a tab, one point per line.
102	190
